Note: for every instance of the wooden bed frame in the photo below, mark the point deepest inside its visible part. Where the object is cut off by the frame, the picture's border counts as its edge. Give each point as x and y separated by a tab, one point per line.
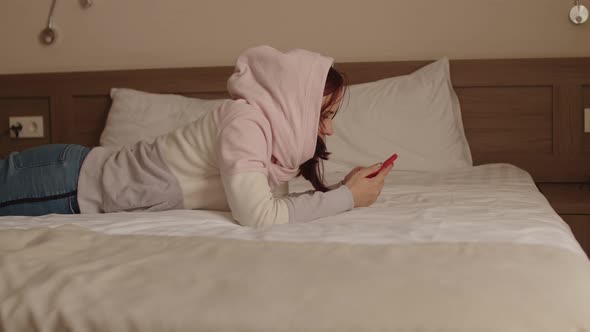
527	112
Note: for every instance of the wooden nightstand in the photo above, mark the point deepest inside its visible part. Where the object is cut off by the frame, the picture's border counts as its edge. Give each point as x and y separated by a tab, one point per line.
572	202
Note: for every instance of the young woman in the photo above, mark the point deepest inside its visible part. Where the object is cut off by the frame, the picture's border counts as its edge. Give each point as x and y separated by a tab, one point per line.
233	159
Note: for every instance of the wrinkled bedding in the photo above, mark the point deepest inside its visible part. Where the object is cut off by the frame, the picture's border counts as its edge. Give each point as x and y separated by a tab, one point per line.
471	250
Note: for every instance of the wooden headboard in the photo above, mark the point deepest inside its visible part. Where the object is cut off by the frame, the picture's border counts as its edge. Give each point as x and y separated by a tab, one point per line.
528	112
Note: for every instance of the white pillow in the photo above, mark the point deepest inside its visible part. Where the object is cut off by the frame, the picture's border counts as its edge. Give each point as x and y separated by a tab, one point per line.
416	116
137	115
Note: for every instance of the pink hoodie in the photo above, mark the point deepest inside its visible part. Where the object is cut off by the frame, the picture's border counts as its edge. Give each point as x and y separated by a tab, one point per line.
277	99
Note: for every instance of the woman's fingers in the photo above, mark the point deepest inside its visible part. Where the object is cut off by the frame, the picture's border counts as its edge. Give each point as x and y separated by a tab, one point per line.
364	172
381	176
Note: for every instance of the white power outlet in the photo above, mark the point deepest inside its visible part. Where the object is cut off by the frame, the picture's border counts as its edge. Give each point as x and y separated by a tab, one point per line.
32	126
587	120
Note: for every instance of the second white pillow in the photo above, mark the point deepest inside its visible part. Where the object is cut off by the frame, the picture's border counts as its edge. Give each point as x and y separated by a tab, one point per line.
417	116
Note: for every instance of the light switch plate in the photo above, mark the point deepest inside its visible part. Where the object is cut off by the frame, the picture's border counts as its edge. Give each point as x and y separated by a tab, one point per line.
32	126
587	120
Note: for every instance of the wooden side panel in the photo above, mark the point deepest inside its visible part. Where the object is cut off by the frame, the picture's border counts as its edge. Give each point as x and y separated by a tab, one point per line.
580	225
88	117
508	120
578	120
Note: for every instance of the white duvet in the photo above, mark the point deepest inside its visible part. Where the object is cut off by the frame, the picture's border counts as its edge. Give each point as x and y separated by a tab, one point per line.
496	203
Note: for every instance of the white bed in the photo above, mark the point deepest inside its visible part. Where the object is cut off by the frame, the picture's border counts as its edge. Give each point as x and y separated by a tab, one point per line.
489	203
477	249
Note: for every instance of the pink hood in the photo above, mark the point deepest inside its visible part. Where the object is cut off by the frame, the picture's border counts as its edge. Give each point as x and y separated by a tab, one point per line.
276	100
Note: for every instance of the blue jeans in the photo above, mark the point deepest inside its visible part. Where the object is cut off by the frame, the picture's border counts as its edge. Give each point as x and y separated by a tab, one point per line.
41	180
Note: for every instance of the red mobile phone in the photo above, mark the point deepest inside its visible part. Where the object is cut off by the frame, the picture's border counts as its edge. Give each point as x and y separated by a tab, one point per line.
386	163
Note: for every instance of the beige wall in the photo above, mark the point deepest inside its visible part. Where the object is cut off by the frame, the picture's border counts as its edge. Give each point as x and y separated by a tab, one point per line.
117	34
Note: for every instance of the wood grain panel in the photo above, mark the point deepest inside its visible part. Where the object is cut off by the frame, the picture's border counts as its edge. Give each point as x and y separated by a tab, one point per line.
208	95
567	198
579	120
488	72
30	106
580	225
88	119
508	119
572	203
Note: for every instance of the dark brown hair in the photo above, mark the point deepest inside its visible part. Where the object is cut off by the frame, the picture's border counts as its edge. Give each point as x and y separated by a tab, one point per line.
313	169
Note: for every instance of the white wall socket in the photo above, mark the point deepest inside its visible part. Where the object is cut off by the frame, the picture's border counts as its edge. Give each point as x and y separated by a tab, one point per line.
32	126
587	120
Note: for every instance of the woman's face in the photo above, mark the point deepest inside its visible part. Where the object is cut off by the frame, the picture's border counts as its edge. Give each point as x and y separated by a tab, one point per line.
325	128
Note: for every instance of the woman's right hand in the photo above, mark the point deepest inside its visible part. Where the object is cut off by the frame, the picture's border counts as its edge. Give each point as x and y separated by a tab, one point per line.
364	190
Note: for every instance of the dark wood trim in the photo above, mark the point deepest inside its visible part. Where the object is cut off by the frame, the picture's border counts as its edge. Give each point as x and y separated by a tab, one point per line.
580	226
567	198
572	202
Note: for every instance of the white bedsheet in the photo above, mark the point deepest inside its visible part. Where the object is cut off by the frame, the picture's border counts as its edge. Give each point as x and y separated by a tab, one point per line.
490	203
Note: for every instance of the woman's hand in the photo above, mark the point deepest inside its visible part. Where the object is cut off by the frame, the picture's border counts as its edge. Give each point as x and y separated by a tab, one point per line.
349	175
364	190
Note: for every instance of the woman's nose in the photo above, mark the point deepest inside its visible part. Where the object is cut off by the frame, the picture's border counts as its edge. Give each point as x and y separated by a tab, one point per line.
327	128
